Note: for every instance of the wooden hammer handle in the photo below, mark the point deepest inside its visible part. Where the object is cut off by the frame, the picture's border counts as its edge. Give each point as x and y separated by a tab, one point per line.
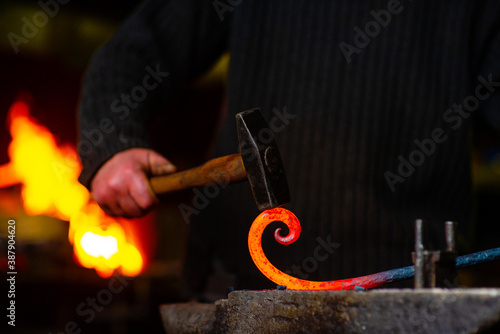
227	169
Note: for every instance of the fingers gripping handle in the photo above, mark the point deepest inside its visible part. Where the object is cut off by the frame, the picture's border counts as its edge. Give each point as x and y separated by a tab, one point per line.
223	170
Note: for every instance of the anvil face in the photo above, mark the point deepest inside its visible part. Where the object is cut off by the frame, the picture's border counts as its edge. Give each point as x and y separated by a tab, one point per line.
376	311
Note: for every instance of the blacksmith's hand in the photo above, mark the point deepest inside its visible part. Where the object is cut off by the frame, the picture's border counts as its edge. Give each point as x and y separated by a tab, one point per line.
121	186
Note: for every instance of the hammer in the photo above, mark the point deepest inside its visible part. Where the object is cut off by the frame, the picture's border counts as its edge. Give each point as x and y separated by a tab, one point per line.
259	162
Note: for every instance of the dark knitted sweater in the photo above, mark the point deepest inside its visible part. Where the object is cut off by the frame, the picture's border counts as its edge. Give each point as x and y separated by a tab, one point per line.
370	140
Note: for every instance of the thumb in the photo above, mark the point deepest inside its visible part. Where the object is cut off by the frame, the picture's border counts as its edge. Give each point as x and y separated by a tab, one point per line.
159	165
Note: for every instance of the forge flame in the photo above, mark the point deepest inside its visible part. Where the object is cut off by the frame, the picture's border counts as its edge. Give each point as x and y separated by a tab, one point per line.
48	174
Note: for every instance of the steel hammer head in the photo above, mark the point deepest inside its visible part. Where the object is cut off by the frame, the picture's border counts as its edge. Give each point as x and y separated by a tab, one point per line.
262	160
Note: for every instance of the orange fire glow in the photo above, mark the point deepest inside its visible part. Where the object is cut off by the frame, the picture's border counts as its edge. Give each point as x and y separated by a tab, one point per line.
48	173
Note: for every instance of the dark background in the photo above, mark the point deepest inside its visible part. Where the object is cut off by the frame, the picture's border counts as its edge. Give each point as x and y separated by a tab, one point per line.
48	72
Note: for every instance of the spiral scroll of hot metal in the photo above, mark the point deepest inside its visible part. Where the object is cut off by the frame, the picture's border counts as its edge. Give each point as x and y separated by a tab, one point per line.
290	282
357	283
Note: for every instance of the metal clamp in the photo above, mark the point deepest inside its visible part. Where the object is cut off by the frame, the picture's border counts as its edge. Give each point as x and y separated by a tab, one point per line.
434	268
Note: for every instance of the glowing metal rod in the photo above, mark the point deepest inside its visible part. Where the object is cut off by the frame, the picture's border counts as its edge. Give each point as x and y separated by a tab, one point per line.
357	283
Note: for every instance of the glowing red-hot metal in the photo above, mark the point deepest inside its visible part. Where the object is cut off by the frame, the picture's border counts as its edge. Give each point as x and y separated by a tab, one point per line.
279	277
357	283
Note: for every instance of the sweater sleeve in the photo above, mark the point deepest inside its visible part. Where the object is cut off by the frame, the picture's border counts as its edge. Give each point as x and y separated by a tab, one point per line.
486	57
164	44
